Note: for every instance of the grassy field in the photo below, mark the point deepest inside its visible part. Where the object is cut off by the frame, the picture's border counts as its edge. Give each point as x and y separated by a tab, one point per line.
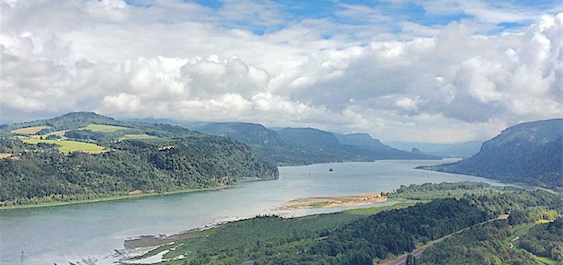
67	146
545	261
58	133
517	231
30	130
104	128
137	137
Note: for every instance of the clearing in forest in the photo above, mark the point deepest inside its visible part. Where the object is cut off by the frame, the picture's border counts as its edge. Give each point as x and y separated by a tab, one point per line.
138	136
104	128
67	146
30	130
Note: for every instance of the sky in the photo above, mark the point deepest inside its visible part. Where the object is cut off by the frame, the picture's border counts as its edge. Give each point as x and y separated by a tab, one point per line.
442	71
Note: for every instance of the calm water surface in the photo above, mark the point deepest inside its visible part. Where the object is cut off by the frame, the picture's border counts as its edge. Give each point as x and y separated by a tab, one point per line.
69	233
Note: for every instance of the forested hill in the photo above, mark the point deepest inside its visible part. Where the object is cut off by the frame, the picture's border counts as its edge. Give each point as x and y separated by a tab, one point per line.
307	145
529	153
85	156
81	120
464	215
248	133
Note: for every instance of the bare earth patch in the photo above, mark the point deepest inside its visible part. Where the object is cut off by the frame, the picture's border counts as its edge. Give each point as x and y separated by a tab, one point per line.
5	155
138	136
334	201
135	192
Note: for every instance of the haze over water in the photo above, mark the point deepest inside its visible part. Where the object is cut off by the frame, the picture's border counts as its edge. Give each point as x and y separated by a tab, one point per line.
69	233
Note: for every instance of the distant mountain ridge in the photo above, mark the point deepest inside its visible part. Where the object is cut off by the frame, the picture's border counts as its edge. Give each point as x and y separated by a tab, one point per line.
249	133
463	150
380	150
529	153
307	145
309	137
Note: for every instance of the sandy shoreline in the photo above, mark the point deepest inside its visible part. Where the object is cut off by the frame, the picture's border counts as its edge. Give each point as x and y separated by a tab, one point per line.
334	201
145	241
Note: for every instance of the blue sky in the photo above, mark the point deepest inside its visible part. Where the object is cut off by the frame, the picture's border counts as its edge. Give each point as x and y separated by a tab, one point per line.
425	13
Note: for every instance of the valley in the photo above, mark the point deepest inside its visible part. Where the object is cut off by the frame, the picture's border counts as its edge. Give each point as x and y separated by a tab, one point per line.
168	173
278	132
94	230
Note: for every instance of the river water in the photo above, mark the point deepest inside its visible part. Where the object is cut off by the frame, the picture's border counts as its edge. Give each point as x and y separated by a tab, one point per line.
69	233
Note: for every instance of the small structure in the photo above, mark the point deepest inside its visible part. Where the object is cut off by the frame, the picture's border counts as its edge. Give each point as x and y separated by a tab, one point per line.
502	216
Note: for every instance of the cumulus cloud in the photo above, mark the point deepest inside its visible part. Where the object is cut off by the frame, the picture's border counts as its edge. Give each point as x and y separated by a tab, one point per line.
189	62
457	74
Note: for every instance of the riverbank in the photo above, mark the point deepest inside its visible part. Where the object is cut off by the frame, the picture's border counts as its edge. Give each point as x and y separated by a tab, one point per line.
334	201
95	230
147	241
111	198
229	232
131	195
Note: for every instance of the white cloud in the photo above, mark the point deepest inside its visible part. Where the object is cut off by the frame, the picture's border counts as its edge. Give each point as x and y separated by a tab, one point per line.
185	61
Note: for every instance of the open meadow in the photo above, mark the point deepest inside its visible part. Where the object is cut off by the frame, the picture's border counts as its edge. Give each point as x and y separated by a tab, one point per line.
67	146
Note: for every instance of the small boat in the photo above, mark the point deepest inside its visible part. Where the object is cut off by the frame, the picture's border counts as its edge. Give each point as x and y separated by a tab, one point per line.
330	170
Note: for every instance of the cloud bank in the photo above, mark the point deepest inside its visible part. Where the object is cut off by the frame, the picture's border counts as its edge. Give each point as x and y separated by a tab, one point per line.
171	59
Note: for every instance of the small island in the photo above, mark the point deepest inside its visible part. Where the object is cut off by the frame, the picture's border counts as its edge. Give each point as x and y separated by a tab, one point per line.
334	201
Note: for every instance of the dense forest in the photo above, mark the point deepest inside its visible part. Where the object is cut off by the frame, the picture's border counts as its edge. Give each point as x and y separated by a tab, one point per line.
545	240
171	159
529	153
481	245
376	235
398	231
498	243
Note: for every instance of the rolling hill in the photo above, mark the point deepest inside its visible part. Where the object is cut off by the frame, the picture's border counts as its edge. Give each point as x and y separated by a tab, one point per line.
270	145
80	156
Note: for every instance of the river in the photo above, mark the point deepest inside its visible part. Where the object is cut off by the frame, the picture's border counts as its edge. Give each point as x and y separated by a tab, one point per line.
59	234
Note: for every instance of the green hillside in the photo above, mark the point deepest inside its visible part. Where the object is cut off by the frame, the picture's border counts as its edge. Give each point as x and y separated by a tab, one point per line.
529	153
84	156
464	212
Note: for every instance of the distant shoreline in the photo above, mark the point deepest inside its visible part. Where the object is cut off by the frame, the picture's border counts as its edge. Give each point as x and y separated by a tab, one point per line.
136	196
128	196
110	198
